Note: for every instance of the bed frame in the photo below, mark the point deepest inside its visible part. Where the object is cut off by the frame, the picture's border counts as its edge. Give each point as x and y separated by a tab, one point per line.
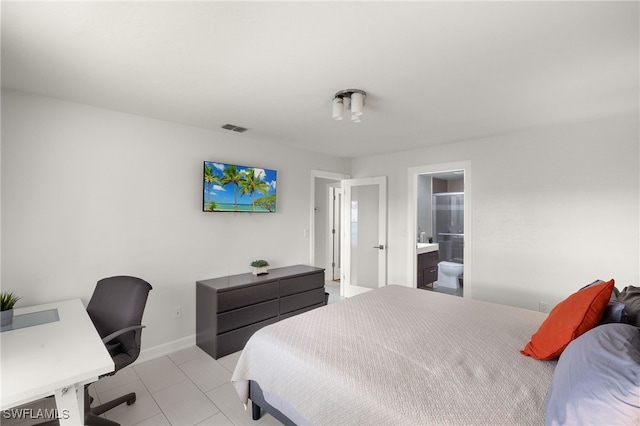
258	403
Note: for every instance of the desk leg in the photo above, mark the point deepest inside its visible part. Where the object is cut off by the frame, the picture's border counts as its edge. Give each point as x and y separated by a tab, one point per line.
70	404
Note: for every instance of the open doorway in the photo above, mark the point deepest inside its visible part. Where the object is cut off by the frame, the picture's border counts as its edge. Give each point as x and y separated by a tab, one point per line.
362	247
327	214
440	232
326	205
439	225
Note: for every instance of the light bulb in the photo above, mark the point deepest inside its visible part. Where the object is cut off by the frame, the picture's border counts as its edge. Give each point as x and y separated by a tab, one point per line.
357	102
338	108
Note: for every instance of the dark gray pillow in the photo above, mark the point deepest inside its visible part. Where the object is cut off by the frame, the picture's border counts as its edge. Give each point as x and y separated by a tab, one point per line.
630	296
615	310
597	379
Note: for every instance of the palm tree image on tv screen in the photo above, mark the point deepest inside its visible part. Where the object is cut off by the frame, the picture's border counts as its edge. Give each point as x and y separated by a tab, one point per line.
232	188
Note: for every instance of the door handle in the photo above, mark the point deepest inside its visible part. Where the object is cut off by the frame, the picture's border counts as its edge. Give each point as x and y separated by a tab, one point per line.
381	247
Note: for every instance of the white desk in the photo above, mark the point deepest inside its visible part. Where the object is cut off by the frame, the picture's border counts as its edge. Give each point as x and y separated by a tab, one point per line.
57	358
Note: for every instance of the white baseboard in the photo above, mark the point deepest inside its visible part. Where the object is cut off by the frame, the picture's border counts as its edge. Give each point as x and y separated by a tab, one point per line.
148	354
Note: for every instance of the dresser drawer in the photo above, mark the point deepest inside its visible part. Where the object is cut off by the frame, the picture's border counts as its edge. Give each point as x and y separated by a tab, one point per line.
247	296
301	300
237	318
302	283
233	341
299	311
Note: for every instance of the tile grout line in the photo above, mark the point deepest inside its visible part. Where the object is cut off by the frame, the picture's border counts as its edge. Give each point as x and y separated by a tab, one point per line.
153	398
199	390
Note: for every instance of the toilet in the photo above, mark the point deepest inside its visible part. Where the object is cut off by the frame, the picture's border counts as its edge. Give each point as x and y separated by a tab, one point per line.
448	273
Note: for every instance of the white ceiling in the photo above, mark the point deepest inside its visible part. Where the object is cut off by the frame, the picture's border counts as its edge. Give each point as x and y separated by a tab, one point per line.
435	72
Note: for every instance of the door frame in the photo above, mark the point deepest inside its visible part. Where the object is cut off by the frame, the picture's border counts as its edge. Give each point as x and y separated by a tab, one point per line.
334	230
312	205
412	220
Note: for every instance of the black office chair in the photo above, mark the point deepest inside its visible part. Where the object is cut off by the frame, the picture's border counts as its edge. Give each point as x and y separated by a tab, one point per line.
116	309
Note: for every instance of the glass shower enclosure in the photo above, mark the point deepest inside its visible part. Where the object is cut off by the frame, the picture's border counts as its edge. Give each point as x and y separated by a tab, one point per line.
448	225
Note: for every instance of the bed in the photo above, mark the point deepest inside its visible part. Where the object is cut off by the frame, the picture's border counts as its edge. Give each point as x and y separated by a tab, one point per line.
397	355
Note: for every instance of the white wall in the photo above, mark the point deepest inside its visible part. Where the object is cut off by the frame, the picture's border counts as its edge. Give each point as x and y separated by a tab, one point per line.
553	209
89	193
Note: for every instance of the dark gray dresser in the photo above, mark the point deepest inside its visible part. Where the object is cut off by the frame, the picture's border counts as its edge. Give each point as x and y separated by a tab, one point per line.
230	309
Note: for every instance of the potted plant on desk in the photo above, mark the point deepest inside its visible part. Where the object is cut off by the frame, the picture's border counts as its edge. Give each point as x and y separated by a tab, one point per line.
7	301
259	267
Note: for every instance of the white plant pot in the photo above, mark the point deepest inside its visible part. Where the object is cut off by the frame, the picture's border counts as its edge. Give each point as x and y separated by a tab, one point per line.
259	271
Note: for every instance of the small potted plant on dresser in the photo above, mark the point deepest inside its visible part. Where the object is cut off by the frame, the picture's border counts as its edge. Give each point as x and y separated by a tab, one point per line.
7	301
259	267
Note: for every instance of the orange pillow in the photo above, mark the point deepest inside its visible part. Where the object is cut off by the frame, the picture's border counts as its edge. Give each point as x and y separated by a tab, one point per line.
572	317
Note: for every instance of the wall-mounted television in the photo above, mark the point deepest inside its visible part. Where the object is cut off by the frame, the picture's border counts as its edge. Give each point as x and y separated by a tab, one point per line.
233	188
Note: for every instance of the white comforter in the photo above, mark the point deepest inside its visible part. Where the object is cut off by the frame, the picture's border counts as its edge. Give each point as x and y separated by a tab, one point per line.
398	355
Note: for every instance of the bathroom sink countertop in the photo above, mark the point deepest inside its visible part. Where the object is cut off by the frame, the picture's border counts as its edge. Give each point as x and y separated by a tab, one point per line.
426	247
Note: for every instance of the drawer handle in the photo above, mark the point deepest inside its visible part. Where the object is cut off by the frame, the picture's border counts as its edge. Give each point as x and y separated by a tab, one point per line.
432	270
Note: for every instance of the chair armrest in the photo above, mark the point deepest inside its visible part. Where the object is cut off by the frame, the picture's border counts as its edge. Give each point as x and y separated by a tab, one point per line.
115	334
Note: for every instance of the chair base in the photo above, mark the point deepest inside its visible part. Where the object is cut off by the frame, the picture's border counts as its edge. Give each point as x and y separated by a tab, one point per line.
92	415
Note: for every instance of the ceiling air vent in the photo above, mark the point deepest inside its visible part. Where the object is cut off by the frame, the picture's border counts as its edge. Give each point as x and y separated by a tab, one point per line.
234	128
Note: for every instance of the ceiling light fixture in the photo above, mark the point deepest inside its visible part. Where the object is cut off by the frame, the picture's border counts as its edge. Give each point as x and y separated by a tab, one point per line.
349	99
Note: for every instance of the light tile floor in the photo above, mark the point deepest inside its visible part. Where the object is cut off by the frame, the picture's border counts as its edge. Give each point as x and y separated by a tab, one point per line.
333	288
184	388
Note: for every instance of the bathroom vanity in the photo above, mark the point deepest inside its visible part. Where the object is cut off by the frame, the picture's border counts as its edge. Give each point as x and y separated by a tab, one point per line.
428	258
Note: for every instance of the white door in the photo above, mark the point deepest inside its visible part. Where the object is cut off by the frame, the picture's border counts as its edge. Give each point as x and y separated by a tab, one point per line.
364	236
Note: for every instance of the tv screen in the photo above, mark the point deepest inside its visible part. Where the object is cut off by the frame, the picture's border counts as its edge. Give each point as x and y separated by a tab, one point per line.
233	188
